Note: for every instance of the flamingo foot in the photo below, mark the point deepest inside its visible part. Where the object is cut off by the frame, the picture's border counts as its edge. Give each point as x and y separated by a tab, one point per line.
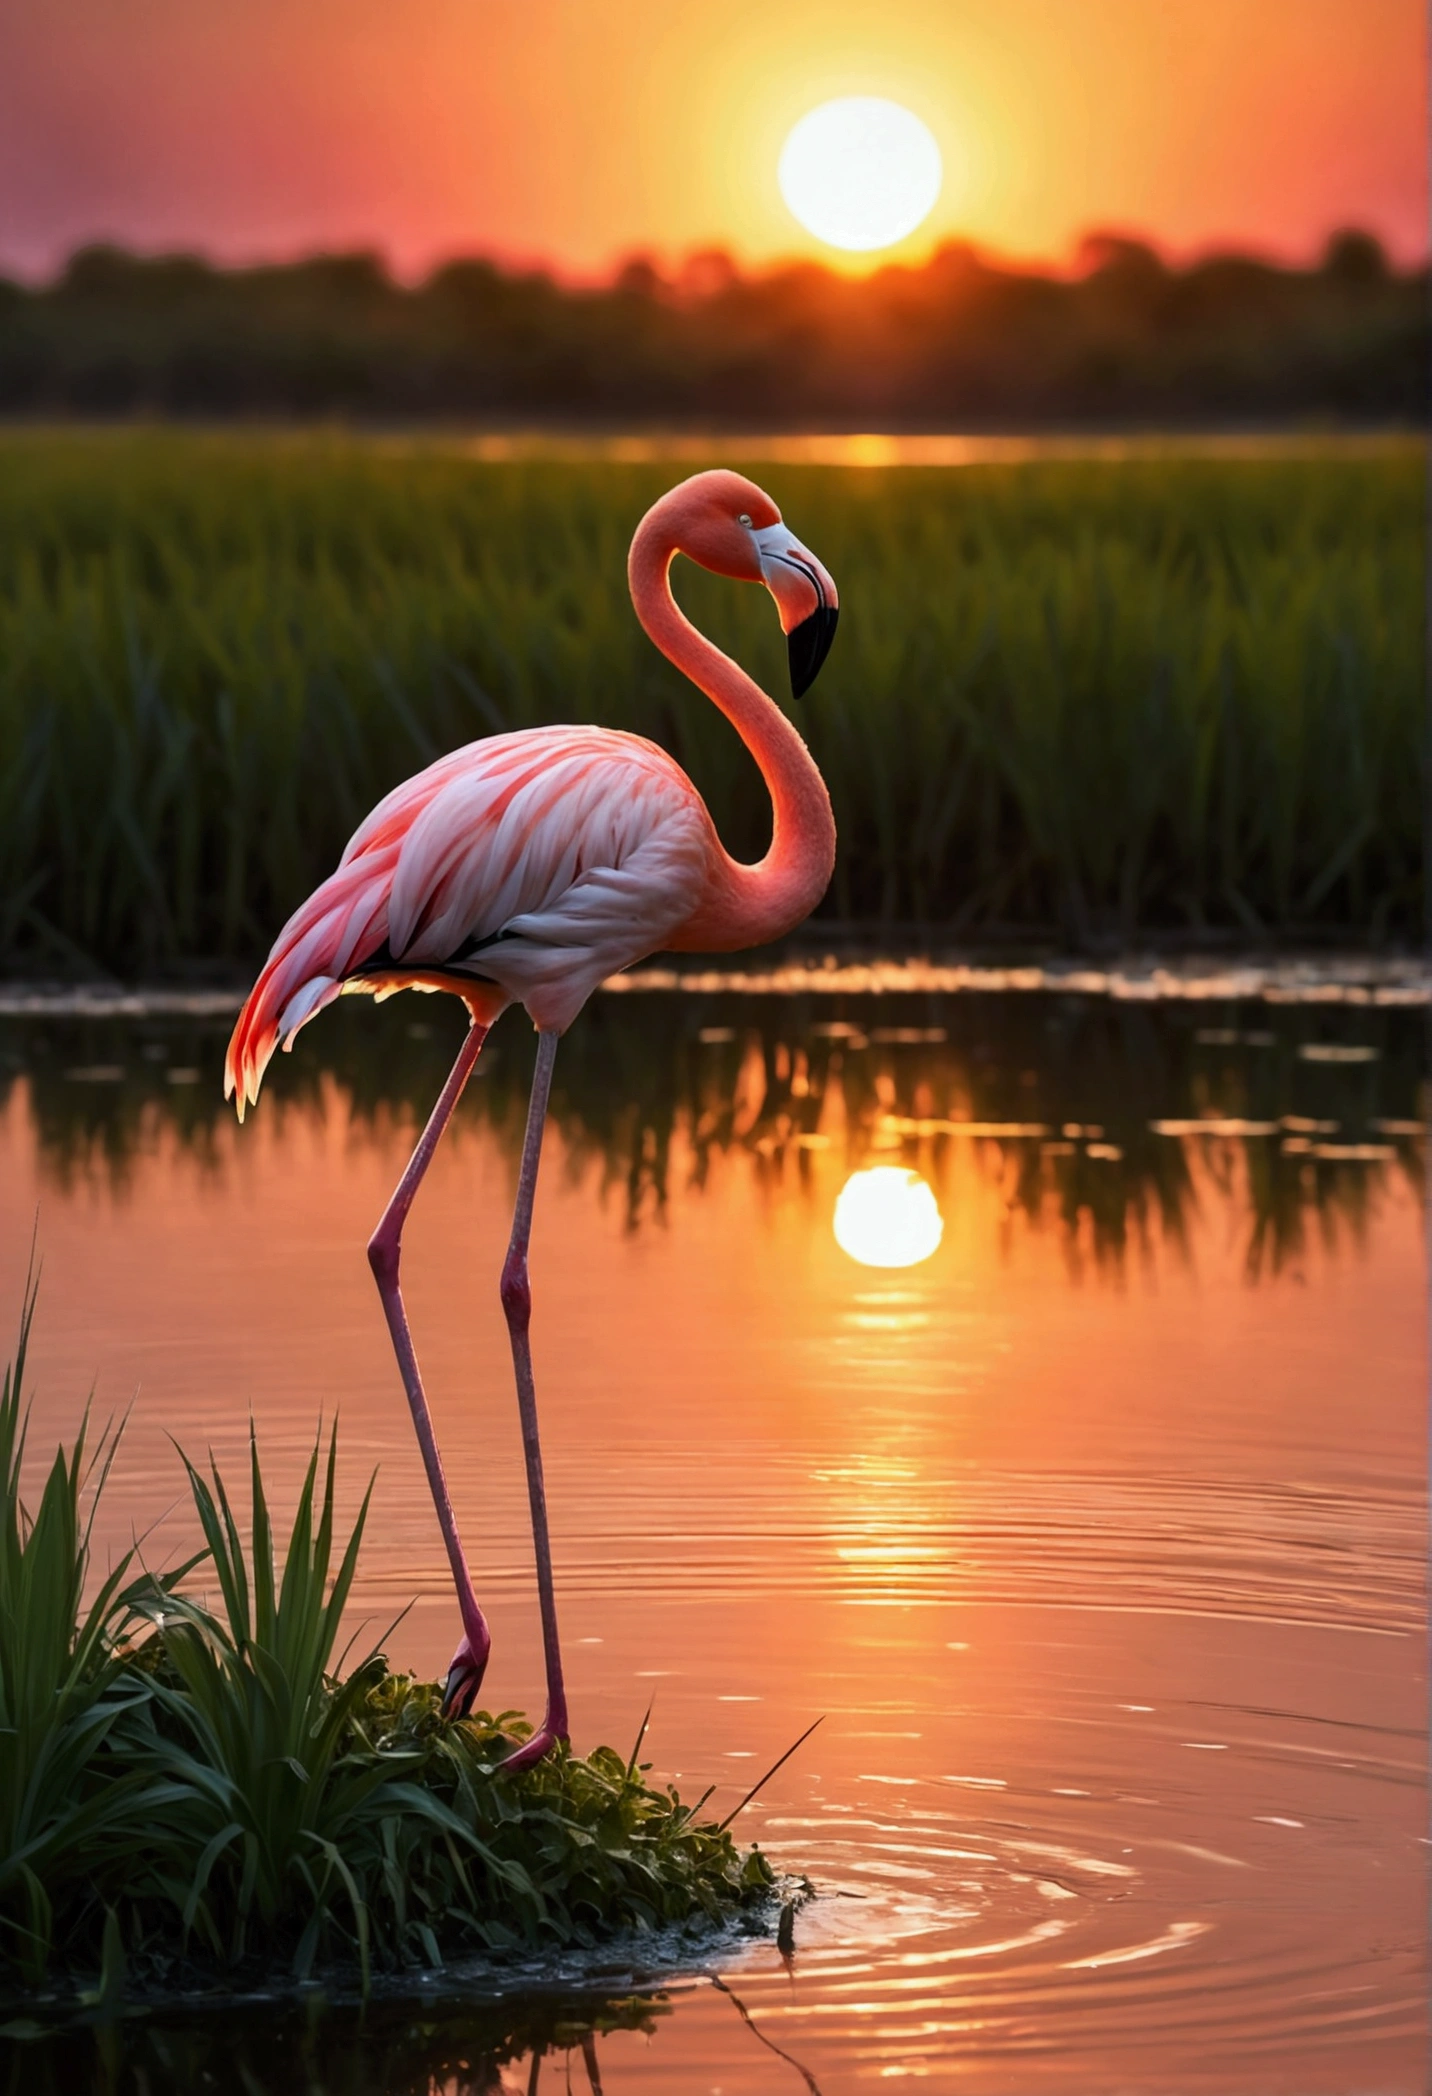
464	1676
535	1749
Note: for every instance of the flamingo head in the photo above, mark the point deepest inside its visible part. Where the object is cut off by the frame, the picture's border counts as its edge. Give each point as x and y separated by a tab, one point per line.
728	524
464	1679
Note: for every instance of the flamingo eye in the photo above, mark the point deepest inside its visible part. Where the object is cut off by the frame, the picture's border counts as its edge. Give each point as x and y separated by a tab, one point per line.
744	519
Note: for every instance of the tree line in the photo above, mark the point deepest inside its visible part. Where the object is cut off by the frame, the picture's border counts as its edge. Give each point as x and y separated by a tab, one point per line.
966	340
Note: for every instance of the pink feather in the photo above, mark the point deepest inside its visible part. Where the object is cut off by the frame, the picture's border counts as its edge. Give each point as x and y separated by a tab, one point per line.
576	851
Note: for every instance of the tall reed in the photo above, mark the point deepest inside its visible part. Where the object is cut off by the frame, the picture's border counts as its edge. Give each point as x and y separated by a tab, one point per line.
1097	698
70	1818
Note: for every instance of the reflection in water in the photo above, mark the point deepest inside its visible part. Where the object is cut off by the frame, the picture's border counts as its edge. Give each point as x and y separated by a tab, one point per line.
887	1216
440	2042
1096	1536
388	2048
880	448
1090	1117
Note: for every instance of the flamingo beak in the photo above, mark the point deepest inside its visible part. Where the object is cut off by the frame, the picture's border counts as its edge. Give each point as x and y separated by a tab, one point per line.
805	597
808	645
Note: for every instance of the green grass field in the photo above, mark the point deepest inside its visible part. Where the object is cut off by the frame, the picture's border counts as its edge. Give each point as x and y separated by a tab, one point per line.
1088	698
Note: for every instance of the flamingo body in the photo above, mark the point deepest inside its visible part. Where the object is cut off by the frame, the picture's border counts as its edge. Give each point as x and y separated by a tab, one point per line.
525	868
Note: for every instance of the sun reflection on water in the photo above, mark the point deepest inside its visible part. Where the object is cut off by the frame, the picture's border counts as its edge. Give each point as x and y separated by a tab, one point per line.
888	1216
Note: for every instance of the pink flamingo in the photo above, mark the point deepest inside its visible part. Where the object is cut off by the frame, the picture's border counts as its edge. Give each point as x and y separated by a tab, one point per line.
525	869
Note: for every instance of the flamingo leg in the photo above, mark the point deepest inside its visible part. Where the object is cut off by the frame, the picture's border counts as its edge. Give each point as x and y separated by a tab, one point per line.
384	1252
517	1303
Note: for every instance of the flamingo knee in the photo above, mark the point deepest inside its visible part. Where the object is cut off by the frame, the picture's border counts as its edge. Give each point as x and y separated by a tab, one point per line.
384	1252
516	1291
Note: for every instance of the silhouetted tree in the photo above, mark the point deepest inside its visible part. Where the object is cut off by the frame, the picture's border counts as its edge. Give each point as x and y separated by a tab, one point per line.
964	340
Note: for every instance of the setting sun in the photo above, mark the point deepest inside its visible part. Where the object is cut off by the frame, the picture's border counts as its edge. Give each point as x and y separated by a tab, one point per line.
860	173
887	1216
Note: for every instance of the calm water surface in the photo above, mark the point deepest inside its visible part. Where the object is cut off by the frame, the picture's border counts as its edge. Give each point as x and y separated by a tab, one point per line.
1097	1538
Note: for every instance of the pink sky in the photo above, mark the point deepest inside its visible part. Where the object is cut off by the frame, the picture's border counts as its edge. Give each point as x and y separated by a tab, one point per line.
572	131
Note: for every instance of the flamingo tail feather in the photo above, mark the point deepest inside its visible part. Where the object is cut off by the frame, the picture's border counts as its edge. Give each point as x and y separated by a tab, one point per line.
305	971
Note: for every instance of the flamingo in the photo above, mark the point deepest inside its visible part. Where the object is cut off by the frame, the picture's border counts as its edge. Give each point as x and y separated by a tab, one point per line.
526	868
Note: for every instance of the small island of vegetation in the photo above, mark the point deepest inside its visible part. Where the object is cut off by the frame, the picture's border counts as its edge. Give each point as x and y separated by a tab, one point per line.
195	1797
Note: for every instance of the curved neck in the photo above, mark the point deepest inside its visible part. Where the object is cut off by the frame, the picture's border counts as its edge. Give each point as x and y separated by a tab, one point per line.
744	905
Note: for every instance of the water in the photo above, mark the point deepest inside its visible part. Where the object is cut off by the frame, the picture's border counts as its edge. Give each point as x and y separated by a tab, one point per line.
1096	1539
875	449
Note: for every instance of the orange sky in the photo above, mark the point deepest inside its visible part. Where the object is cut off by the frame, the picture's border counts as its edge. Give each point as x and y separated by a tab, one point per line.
573	130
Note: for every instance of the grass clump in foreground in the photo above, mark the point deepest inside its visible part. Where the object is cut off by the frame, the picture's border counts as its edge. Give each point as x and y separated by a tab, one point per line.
189	1794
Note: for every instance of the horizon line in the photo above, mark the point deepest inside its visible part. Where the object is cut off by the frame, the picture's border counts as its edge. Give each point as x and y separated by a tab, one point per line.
670	266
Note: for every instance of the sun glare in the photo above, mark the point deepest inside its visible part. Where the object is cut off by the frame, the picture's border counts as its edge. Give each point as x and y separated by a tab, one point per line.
860	173
887	1216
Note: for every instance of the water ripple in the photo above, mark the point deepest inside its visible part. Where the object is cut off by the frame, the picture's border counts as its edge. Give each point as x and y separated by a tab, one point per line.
1291	1554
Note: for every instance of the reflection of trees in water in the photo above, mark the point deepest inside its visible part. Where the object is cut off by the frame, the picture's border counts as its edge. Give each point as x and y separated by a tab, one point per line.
1292	1199
387	2048
644	1079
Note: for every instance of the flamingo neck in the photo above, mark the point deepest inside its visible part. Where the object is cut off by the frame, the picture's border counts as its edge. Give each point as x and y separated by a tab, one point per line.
744	905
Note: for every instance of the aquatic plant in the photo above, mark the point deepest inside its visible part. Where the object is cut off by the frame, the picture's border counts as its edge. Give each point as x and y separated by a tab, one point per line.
250	1723
65	1808
1093	698
213	1797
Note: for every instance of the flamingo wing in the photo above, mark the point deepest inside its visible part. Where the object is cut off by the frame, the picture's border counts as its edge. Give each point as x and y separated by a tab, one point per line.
526	866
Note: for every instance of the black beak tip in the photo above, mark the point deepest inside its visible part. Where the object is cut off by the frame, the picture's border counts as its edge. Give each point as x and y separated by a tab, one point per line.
809	644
